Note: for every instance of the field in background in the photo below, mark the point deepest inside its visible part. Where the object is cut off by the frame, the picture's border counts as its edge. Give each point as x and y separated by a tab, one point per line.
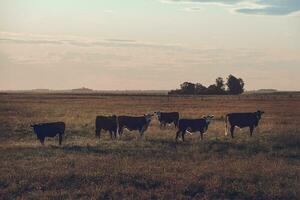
266	166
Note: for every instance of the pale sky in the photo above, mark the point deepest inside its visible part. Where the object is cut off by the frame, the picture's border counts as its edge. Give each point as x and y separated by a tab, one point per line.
148	44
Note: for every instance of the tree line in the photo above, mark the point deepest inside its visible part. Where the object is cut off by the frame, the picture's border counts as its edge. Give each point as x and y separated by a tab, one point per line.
233	86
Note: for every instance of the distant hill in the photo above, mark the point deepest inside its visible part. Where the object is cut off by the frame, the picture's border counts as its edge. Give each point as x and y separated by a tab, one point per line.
82	90
262	91
85	90
41	90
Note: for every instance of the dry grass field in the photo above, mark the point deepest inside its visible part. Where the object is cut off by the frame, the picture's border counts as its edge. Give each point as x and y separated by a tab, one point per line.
266	166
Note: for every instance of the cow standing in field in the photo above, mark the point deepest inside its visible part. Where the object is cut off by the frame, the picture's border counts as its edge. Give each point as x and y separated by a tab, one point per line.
193	125
134	123
44	130
107	123
167	118
242	120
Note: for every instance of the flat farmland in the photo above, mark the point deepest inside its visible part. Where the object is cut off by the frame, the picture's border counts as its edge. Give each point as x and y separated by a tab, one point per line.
265	166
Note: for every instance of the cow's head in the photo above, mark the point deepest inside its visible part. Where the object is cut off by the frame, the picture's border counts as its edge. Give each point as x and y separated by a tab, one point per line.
148	117
34	126
208	118
259	113
157	114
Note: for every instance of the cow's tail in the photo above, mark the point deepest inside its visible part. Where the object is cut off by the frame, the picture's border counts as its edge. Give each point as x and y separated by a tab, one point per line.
226	125
117	128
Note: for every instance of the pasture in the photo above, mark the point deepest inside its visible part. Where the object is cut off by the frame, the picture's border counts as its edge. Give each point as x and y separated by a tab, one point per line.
265	166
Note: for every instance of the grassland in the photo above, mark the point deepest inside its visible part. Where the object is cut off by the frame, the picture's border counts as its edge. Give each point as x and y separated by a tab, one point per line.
266	166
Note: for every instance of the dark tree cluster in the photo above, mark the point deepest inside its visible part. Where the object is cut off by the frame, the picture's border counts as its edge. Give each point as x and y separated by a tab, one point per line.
233	86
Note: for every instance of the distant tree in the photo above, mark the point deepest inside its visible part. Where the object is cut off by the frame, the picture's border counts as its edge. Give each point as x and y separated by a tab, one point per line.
235	85
187	88
220	83
212	89
177	91
200	89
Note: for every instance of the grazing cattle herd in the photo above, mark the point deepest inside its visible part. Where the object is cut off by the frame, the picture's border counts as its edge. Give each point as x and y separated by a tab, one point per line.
116	124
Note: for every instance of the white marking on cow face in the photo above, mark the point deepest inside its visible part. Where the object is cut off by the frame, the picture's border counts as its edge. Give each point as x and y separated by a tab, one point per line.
208	118
259	114
148	118
158	114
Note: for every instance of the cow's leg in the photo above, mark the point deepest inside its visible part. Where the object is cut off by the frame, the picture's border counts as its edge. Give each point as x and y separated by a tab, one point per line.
42	140
231	131
111	134
98	132
251	130
201	133
182	135
115	134
60	137
120	131
177	135
142	134
142	130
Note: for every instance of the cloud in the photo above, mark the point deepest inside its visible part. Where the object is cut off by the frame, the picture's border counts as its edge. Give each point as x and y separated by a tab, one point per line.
203	1
274	7
119	40
23	38
193	9
22	41
252	7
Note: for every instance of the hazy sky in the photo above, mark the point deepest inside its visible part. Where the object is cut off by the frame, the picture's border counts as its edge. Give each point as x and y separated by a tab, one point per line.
148	44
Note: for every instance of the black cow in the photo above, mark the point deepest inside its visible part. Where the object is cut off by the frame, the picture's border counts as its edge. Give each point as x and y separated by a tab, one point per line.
134	123
44	130
242	120
193	125
167	118
107	123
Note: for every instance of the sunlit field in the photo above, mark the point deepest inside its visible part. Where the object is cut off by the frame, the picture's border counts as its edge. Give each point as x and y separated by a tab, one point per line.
265	166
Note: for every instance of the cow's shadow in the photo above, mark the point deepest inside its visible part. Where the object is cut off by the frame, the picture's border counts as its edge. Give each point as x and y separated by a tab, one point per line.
122	151
278	146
